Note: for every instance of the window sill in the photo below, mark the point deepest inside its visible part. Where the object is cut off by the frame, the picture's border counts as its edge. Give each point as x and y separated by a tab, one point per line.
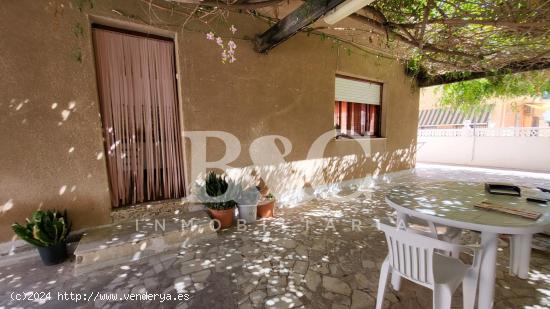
359	138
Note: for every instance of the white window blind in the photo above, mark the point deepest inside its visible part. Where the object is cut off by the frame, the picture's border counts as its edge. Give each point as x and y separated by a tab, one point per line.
355	91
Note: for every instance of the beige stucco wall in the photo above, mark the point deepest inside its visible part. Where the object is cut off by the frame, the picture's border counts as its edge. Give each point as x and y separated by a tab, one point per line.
52	157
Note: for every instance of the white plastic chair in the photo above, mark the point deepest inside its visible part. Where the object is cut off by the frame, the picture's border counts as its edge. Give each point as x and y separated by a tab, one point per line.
430	229
419	259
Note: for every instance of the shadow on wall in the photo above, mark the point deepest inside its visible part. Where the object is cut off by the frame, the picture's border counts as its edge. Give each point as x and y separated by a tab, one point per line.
287	180
292	181
48	164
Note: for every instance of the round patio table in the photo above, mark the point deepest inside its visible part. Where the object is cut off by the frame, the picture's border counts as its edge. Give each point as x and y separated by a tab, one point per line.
452	204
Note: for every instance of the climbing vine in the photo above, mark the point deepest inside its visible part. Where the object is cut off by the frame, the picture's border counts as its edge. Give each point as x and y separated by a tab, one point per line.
469	95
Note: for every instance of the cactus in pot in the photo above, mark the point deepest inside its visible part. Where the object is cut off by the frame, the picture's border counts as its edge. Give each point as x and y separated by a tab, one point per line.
48	231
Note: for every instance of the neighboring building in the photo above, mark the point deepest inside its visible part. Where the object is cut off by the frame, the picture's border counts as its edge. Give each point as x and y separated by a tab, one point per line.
66	140
498	113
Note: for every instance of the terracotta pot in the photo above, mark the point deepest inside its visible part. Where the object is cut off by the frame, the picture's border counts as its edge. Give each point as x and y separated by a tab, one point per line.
224	216
266	209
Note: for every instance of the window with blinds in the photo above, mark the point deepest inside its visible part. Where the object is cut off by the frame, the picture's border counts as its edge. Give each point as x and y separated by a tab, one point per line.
357	107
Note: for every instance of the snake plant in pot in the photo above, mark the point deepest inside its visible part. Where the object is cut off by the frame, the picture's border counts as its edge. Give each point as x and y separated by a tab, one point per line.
218	194
47	230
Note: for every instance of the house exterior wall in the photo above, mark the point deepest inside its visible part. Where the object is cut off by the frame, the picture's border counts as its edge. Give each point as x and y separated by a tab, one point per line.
51	136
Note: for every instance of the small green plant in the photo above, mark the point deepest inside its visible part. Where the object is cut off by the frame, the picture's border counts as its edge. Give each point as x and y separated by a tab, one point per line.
77	55
270	196
78	30
44	228
218	192
81	4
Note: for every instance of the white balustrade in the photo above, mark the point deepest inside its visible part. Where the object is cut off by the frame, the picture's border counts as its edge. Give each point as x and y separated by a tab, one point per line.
492	132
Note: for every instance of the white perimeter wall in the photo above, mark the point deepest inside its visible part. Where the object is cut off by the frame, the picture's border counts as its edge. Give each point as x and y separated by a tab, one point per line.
521	153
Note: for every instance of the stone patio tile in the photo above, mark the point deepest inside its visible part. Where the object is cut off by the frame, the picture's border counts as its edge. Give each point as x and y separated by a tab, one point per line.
336	285
285	265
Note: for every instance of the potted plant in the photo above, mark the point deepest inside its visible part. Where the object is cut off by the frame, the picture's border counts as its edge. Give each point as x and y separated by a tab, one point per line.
47	230
262	187
266	206
218	195
248	204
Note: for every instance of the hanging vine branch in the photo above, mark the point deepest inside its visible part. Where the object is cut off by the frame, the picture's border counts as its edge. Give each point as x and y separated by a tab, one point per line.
447	40
460	40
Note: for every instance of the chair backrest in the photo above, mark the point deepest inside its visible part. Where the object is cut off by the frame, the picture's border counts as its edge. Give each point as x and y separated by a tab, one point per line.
411	254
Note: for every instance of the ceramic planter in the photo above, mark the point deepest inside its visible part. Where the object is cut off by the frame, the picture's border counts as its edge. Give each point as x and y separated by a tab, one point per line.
266	209
224	216
54	254
248	213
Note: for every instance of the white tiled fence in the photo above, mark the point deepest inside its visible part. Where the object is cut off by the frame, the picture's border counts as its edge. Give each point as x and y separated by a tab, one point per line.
510	148
498	132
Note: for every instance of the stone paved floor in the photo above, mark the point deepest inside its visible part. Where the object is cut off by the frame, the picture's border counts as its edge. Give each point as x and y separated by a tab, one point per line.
299	259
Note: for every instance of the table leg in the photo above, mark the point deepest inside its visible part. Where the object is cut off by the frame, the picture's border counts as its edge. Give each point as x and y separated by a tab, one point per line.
514	254
524	254
487	272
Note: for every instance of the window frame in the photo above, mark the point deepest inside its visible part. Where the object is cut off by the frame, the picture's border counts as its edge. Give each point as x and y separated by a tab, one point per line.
380	124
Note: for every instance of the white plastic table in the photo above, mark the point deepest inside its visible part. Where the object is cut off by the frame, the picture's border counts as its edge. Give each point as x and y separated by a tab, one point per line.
452	204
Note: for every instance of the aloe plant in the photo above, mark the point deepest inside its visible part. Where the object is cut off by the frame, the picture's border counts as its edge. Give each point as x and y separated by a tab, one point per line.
218	192
44	228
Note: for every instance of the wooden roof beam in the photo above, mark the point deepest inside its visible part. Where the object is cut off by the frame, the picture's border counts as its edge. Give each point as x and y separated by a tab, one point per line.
306	14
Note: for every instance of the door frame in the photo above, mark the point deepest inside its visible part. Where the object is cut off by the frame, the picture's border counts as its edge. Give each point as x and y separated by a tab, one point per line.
126	26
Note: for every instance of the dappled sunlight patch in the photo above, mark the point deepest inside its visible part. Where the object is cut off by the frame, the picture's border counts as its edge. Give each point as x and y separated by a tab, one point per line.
7	206
536	275
62	190
17	106
65	114
136	256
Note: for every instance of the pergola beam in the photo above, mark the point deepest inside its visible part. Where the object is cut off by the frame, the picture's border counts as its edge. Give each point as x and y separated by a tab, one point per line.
240	5
306	14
